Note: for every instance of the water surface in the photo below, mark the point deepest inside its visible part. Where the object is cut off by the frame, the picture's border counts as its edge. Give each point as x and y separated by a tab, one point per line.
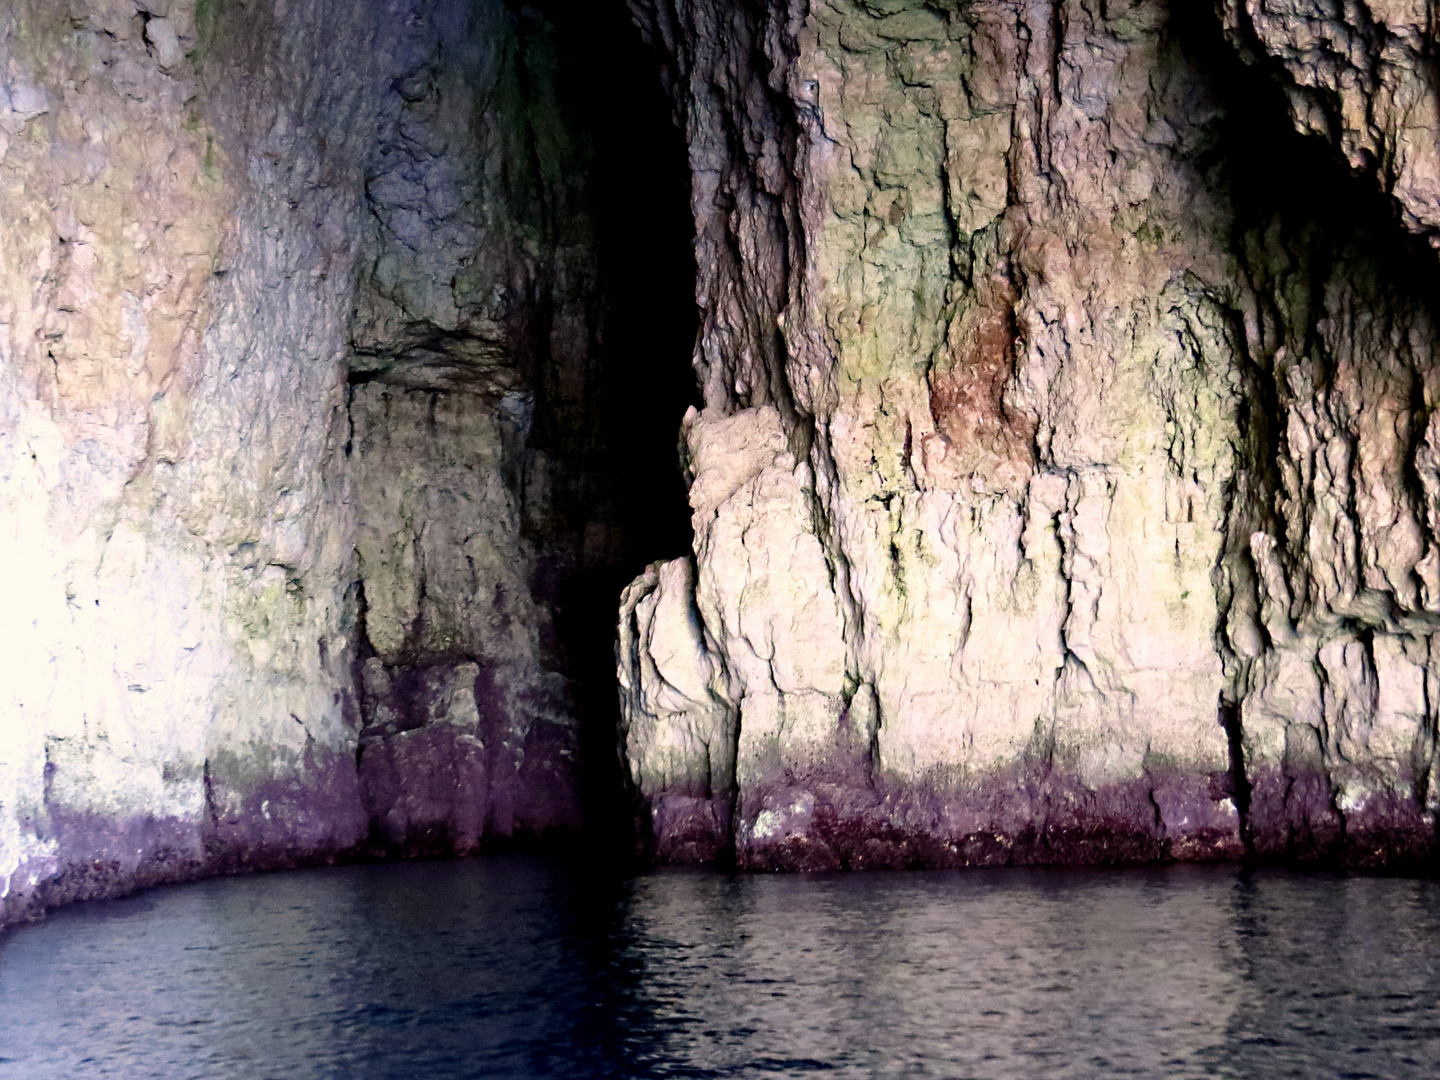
528	967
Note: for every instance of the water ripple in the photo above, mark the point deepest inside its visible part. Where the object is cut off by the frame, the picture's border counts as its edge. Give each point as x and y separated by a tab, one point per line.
527	967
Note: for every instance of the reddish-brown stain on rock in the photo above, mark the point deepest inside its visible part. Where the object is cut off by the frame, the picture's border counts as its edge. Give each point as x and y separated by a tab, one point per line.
967	398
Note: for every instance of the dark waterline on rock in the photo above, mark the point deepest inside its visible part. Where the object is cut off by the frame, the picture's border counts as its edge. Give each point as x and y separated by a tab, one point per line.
512	966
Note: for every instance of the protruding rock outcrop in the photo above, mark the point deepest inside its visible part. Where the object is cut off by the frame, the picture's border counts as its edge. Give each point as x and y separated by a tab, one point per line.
1065	485
1063	490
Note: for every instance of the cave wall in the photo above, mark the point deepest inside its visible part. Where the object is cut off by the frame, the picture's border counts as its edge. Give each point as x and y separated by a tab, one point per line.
1064	486
289	289
1064	489
1361	75
475	296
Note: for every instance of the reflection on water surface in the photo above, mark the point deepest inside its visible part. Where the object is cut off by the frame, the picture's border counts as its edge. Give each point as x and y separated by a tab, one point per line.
526	967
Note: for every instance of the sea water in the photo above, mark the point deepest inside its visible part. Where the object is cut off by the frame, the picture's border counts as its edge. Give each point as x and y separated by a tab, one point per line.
513	966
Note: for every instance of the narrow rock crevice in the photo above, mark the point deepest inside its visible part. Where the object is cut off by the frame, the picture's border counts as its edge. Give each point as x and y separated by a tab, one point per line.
578	365
644	381
1063	371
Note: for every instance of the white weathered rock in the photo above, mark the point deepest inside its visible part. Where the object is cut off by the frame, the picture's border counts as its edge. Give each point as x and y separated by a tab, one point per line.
206	230
1052	462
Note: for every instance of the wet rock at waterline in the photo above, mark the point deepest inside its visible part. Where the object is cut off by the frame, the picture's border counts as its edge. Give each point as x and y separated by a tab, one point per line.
1065	486
1062	484
306	429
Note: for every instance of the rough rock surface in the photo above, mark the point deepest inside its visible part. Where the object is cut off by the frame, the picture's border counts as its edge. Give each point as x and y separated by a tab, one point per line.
1362	75
1065	486
280	282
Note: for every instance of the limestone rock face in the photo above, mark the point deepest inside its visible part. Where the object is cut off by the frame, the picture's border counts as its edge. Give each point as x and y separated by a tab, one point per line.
174	317
272	276
1065	485
450	618
1361	75
1064	489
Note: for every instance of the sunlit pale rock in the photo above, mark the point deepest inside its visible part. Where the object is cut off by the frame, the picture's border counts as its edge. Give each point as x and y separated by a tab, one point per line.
237	237
1064	487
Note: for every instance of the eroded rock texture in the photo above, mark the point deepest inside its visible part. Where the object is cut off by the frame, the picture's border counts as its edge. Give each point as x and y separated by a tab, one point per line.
1360	74
476	282
1065	485
301	326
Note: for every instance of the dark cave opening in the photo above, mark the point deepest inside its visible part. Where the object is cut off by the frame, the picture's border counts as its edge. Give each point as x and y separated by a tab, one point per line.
575	330
635	505
1298	208
1301	217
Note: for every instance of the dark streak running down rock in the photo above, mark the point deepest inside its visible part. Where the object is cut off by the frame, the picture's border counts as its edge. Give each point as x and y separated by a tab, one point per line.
1015	421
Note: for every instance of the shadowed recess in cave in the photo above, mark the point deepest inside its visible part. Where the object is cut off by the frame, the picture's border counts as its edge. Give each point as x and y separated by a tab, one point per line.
1325	271
648	321
517	450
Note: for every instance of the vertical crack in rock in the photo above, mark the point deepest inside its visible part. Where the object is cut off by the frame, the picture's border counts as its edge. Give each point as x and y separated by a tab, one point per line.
334	415
1063	485
1121	405
1234	784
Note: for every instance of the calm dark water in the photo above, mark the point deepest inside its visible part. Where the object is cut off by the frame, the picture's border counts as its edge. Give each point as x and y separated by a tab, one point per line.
525	967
